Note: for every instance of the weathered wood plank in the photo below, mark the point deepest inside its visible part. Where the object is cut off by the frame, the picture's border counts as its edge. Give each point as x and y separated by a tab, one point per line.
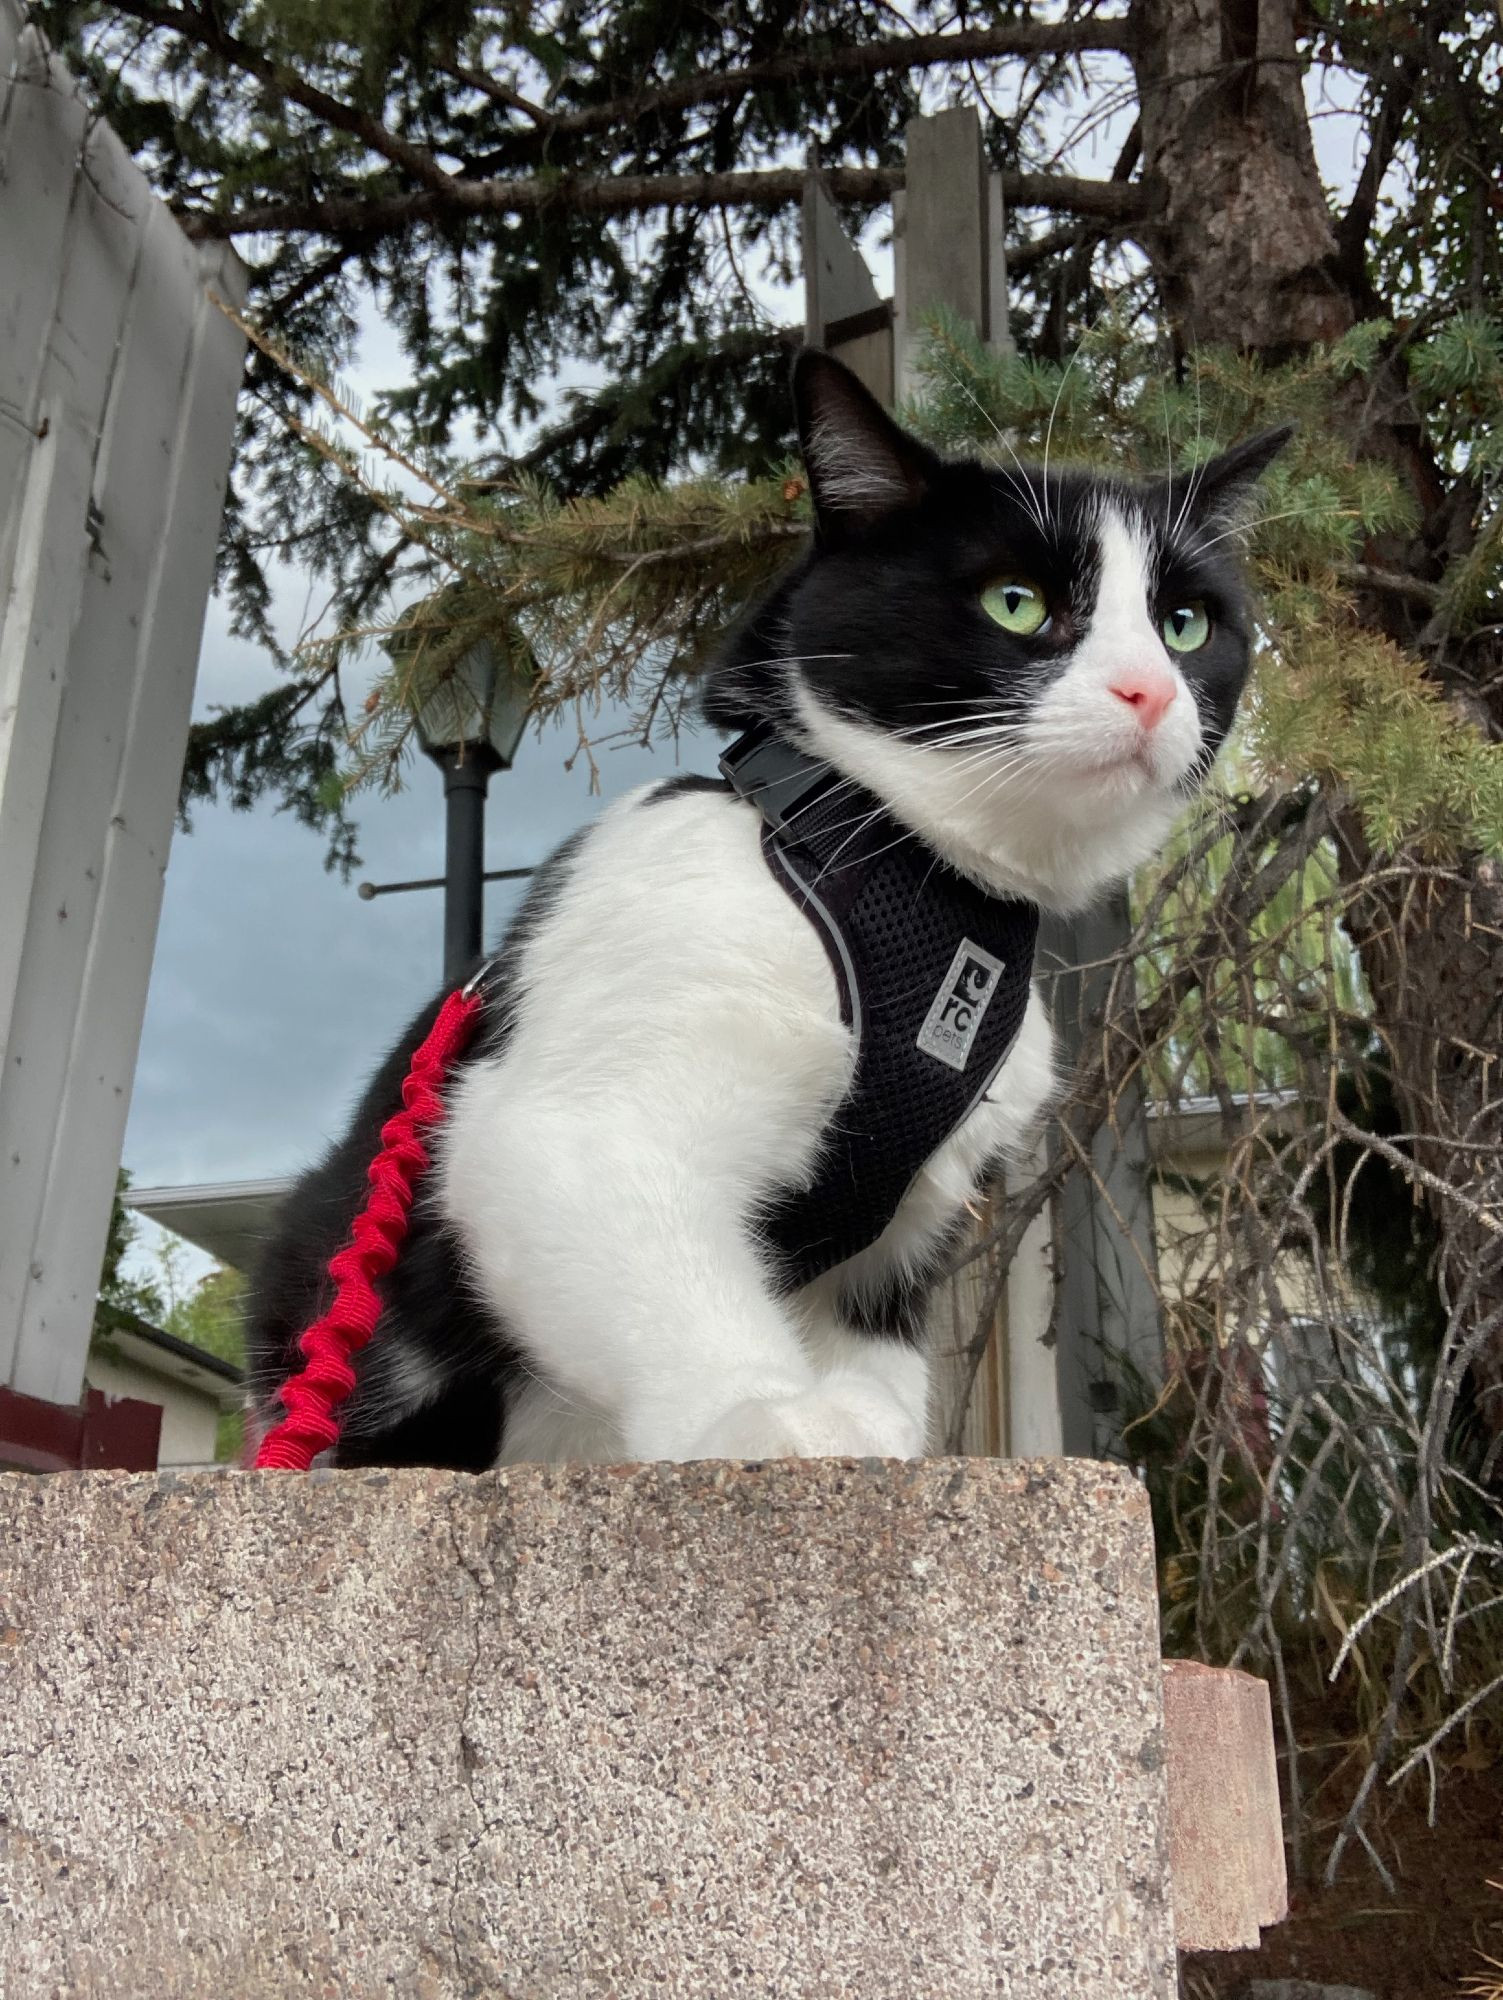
999	331
1034	1426
12	21
96	1084
130	499
121	380
1108	1308
941	232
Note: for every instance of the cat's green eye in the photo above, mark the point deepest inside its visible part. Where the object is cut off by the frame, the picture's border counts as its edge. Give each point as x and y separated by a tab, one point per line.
1187	627
1017	604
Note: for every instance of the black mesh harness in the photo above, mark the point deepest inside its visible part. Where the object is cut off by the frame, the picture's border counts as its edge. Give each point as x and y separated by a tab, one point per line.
933	974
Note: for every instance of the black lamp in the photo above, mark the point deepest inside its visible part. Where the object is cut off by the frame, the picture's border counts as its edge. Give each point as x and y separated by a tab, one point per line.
470	725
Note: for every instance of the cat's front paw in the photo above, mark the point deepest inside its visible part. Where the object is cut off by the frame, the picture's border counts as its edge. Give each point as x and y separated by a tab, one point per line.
859	1423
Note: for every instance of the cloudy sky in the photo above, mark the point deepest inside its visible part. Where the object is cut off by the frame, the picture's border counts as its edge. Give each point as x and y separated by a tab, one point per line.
275	988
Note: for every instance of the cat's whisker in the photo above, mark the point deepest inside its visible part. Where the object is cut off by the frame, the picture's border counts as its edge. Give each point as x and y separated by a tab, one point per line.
1168	457
950	701
859	821
1264	521
994	775
1197	471
822	799
1049	430
942	735
865	820
1021	485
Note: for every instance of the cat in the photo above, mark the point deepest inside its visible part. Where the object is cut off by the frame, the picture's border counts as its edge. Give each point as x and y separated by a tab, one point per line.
1028	673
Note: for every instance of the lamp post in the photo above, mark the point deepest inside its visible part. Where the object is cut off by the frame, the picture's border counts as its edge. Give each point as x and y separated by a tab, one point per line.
470	725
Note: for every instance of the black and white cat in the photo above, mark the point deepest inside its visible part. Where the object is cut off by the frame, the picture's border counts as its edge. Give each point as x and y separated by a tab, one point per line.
1031	674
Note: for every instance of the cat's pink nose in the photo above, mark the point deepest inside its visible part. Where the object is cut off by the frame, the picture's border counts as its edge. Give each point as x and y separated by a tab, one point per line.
1148	691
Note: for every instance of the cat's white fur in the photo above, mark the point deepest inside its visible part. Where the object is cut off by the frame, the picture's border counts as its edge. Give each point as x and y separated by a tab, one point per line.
678	1051
1087	798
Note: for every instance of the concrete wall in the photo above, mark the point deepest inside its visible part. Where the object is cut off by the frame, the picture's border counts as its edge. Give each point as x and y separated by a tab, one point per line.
802	1729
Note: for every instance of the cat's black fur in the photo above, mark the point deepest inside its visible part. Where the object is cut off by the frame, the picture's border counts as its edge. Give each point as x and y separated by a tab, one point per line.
904	589
900	591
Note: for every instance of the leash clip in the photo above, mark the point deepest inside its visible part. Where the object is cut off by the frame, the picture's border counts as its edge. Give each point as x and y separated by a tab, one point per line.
479	979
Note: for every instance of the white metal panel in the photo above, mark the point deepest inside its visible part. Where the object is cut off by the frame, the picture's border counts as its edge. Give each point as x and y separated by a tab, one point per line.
39	614
121	538
122	378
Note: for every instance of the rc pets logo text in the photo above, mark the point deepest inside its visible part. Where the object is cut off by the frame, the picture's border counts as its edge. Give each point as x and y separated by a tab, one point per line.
953	1021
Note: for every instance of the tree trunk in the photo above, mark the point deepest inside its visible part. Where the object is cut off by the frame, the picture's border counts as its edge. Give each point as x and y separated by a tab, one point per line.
1247	255
1246	250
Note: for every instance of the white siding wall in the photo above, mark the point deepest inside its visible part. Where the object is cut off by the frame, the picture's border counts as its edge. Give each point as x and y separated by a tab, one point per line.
190	1421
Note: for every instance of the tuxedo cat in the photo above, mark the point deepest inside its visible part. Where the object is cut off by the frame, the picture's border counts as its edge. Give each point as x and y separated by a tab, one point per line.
1021	676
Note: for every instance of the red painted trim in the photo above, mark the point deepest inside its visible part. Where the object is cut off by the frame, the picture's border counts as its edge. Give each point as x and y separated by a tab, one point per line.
102	1432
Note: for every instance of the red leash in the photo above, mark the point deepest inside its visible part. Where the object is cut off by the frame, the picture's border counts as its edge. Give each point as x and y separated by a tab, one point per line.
313	1395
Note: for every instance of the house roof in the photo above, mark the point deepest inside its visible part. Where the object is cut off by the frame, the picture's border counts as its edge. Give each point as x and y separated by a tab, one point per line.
229	1219
161	1353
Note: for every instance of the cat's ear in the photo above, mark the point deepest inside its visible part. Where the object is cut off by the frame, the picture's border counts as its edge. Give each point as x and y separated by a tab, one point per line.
861	465
1221	487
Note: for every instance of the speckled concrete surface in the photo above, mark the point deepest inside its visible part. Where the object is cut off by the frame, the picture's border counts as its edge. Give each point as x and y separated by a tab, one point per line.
799	1729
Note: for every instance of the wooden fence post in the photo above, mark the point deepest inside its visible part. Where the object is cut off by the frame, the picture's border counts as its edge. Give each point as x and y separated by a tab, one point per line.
1107	1324
948	250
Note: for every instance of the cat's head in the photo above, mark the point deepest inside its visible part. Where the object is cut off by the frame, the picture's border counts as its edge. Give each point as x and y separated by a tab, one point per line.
1033	673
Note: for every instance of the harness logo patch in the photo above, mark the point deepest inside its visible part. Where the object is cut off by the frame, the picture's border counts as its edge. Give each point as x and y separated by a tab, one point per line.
953	1022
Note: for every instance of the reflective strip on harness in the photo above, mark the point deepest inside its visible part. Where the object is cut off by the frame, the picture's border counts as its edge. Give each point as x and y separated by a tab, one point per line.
933	974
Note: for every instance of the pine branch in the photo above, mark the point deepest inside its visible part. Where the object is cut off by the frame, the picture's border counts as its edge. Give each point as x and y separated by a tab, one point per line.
205	31
636	194
1082	234
502	94
1393	582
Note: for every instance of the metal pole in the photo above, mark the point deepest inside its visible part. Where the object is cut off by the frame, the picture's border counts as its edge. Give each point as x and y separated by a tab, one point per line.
466	776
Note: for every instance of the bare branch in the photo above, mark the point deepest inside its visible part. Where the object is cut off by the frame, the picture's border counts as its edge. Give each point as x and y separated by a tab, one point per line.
633	194
1027	39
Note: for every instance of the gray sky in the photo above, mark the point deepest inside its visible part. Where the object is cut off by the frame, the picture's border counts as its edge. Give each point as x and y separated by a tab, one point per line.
276	989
